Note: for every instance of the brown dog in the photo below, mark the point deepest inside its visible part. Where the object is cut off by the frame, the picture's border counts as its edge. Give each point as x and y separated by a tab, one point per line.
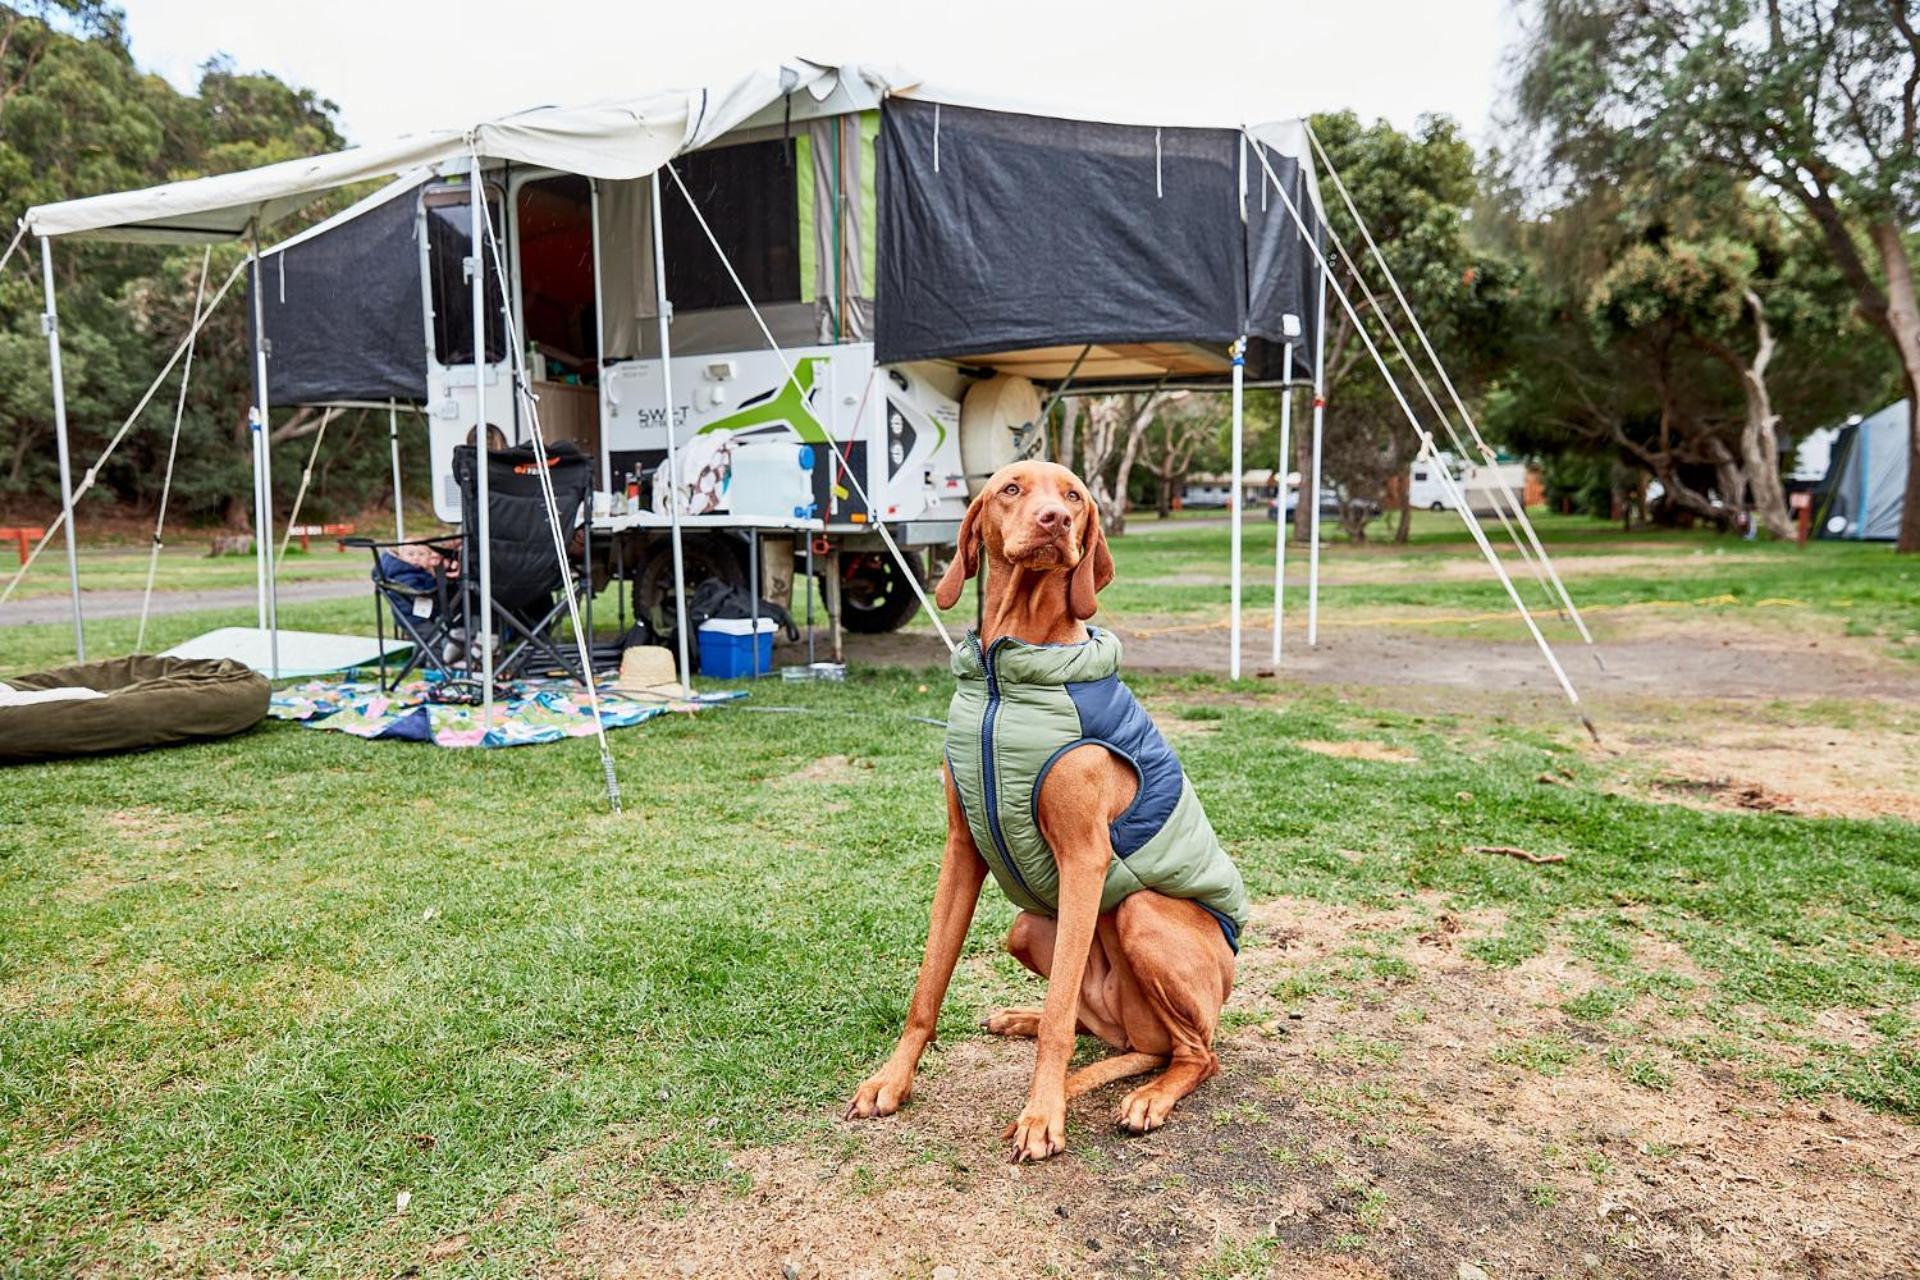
1147	977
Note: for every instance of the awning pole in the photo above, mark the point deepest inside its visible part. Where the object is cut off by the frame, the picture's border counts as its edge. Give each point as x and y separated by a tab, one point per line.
1236	507
1312	493
393	443
1280	511
477	274
603	433
657	214
50	322
265	539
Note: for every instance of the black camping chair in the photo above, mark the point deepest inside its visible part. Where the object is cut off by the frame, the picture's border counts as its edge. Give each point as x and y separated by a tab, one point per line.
529	596
429	607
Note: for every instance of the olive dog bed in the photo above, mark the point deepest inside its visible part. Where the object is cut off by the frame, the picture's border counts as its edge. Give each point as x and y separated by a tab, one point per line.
126	704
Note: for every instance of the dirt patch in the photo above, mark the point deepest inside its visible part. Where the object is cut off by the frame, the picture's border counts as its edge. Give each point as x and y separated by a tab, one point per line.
830	769
1381	1127
1360	750
1656	656
1818	771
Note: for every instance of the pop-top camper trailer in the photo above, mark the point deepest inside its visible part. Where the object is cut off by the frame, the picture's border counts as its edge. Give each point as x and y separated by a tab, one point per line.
899	245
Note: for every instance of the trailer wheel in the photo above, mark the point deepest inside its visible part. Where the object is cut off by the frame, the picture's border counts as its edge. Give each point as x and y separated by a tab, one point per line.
873	595
706	556
1436	506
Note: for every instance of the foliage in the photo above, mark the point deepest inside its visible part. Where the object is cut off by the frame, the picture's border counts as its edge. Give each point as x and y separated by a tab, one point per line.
78	117
1812	103
1416	191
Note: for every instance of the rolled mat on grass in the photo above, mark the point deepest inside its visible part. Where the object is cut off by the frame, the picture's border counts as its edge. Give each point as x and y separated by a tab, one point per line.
143	701
533	711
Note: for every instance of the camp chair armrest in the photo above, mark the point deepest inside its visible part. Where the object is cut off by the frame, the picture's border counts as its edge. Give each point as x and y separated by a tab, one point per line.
371	544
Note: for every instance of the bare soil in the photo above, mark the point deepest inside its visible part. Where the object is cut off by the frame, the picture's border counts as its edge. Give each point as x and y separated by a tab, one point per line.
1376	1134
1651	654
1417	1128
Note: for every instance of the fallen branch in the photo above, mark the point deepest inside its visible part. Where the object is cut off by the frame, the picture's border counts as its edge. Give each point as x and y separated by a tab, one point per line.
1510	851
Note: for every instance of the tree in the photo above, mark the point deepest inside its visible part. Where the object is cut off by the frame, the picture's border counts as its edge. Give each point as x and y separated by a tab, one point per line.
1184	430
1688	336
1110	442
77	117
1416	191
1815	103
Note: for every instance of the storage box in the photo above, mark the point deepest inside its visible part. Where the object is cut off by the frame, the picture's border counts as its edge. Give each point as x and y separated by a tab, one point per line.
729	649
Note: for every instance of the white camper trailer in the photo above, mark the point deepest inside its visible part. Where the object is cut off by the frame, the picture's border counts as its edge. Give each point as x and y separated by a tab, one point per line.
841	266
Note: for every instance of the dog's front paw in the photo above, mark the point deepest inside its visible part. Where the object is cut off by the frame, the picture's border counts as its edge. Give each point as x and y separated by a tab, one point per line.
881	1094
1040	1132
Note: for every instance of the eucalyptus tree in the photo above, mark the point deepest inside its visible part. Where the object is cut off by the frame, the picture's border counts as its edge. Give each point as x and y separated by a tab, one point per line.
1814	103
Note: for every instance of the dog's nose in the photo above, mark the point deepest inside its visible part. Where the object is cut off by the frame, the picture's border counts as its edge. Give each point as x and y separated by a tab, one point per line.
1051	518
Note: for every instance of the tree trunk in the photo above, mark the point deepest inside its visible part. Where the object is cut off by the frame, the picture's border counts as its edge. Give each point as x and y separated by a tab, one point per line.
1759	439
1069	426
1903	324
1303	463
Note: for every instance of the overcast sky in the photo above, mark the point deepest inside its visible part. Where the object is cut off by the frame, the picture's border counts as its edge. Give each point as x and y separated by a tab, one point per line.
400	65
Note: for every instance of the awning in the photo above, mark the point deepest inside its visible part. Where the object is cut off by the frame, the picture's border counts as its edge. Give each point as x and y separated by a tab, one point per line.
625	139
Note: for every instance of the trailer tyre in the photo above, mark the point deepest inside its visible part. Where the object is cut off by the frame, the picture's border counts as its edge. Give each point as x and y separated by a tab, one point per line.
873	595
706	556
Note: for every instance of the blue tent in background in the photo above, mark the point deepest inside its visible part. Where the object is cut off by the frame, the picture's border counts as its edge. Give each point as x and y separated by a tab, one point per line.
1866	483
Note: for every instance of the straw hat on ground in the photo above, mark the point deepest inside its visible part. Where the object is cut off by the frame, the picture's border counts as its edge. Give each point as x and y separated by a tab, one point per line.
646	671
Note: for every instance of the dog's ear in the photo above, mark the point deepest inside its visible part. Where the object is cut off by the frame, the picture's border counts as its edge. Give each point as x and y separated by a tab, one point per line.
966	557
1094	571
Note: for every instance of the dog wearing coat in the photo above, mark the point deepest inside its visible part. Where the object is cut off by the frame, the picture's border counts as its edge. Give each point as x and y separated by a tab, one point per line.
1059	786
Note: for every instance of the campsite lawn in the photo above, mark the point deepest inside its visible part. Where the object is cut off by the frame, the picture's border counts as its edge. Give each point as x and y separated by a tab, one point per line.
297	1003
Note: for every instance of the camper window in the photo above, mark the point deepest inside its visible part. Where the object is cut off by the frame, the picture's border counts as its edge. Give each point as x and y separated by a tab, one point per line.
746	193
448	246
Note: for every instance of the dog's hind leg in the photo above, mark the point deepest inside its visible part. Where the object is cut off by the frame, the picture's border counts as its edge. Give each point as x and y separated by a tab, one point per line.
1182	972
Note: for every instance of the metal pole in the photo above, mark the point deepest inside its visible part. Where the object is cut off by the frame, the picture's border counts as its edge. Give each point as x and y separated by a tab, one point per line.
1280	512
1236	507
477	299
50	322
1319	428
662	306
1429	451
600	348
393	443
263	540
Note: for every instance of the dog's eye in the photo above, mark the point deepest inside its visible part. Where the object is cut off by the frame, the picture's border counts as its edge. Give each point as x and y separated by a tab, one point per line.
1073	495
1011	490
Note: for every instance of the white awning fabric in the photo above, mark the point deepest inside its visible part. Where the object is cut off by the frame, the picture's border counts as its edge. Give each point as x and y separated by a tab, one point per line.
612	140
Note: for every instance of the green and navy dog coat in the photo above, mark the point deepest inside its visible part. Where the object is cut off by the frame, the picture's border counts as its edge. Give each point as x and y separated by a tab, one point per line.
1017	708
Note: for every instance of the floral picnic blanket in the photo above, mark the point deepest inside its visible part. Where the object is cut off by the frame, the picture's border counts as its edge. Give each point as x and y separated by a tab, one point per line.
533	711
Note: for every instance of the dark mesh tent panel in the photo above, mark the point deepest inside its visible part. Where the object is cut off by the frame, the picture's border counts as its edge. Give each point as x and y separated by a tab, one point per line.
1037	232
343	311
1282	273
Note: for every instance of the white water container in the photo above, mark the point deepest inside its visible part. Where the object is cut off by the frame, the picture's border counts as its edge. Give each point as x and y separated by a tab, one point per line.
771	478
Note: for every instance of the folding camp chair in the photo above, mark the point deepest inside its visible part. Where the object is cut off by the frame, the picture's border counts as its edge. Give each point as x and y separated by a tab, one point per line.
529	596
429	606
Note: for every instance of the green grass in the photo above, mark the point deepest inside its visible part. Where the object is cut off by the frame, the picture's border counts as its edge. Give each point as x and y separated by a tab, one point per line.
252	991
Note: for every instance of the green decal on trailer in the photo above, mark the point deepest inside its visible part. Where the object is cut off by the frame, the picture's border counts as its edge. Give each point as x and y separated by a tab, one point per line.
788	408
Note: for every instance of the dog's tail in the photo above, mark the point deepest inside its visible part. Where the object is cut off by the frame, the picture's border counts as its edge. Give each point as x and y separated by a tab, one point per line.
1118	1067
